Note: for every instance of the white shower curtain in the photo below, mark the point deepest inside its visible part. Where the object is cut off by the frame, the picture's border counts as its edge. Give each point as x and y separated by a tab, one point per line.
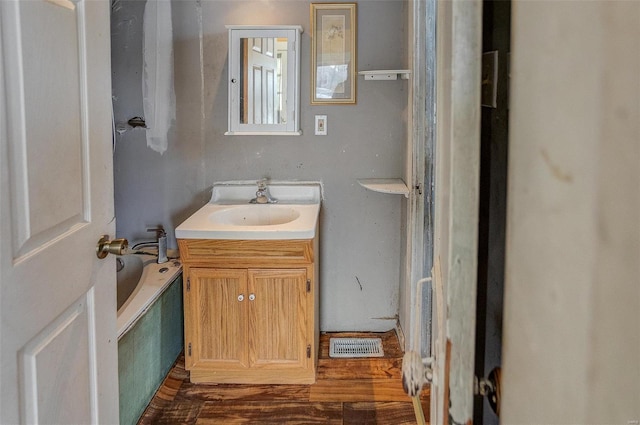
158	94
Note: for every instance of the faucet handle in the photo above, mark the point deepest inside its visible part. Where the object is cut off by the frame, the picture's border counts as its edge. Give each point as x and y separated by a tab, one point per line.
160	232
262	183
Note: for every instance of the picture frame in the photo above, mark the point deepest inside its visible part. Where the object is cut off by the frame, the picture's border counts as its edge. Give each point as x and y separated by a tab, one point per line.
333	53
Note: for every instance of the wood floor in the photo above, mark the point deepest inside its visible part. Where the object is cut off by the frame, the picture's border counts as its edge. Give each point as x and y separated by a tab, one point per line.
347	391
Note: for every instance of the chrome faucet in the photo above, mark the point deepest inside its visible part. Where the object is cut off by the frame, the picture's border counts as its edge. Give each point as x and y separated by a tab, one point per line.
262	194
162	243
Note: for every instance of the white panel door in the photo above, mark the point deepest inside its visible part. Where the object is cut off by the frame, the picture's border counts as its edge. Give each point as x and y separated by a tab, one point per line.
58	304
262	69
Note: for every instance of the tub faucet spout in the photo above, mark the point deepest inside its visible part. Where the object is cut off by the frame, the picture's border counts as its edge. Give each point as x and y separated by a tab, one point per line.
162	244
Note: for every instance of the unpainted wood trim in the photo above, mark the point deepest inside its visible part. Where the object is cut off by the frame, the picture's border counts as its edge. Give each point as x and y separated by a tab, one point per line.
248	253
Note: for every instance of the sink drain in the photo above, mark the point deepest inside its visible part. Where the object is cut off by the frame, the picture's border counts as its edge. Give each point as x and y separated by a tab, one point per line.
355	347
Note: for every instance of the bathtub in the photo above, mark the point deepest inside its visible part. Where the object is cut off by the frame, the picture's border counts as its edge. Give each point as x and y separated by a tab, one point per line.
150	331
141	280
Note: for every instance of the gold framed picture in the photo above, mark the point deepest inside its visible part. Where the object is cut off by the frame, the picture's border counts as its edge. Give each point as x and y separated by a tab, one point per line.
333	53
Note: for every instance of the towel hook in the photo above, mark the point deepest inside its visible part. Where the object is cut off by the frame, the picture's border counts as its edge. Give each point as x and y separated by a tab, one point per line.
137	122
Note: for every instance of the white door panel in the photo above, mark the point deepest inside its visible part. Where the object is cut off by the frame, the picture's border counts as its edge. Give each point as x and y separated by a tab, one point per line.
62	341
47	198
58	334
262	69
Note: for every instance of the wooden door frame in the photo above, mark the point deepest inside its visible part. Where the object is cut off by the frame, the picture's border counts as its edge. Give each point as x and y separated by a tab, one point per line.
457	161
419	175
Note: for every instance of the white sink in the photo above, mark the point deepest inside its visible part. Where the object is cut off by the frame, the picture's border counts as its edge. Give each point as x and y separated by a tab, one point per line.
229	215
255	215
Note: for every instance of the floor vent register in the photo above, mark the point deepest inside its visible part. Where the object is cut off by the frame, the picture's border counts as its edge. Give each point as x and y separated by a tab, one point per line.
355	347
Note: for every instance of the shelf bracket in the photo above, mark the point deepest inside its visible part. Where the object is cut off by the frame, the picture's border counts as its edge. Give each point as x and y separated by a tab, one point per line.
392	186
386	74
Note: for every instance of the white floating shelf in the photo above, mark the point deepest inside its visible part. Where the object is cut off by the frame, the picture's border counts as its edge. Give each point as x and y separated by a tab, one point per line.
386	74
392	186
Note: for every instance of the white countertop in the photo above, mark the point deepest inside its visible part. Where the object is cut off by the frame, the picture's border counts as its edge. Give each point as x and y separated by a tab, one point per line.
300	201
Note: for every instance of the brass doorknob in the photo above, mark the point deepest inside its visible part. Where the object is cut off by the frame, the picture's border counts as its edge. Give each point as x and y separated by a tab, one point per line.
106	247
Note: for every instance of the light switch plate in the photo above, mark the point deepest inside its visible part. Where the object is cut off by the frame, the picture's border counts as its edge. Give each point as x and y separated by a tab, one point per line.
321	125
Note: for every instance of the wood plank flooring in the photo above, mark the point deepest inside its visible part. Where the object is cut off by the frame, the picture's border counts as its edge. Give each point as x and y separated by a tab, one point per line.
347	391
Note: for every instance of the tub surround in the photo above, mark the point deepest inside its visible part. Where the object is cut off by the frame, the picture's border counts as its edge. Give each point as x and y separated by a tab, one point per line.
147	351
154	280
150	332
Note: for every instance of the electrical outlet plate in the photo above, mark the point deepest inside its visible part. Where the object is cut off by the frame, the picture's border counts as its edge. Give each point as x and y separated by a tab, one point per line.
321	125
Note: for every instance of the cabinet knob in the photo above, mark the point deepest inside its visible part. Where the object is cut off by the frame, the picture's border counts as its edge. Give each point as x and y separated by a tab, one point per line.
241	297
252	297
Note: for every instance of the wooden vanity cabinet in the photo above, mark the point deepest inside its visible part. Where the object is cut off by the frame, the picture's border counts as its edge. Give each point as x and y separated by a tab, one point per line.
251	311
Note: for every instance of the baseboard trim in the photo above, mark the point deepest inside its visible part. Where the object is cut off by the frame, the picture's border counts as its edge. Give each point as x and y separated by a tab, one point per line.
400	335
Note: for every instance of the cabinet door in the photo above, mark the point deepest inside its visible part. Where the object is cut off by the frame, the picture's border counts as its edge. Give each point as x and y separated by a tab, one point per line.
215	322
278	318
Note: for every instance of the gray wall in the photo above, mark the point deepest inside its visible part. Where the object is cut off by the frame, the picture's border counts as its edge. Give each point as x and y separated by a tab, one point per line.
360	232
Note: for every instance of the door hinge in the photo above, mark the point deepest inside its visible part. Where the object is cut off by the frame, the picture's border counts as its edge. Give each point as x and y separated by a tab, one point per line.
489	387
189	349
308	285
418	188
309	351
188	284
